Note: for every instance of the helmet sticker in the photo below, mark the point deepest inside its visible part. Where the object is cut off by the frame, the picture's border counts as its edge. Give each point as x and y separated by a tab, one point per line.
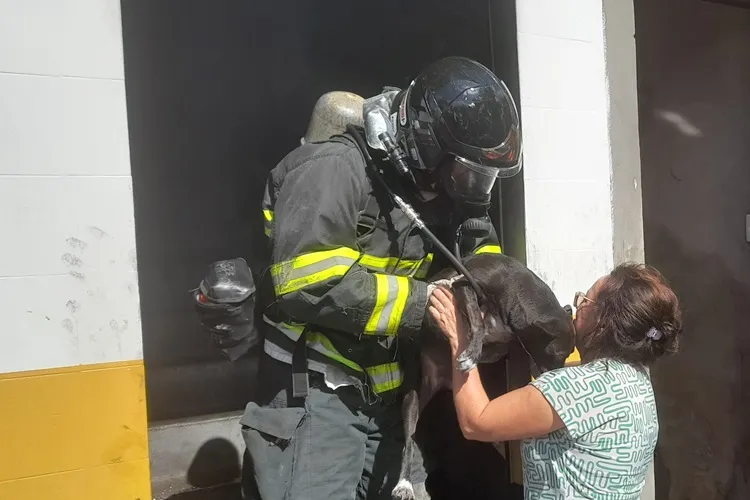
393	121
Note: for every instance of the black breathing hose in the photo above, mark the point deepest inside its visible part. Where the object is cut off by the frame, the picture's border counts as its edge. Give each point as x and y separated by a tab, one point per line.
413	215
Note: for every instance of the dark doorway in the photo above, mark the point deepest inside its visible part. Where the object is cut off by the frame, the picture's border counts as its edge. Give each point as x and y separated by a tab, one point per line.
218	92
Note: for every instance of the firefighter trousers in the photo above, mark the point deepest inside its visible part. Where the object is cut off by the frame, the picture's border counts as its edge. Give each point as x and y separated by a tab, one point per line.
330	446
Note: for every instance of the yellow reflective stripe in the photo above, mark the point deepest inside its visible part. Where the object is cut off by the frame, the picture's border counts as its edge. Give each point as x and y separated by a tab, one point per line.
308	259
385	377
396	266
377	263
318	339
424	267
312	279
488	249
312	268
315	341
391	292
268	222
408	267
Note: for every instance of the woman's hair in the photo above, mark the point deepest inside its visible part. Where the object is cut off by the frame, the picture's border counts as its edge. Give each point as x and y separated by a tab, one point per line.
638	316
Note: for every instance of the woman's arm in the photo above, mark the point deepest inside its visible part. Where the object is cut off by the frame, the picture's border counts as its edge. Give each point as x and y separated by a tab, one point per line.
519	414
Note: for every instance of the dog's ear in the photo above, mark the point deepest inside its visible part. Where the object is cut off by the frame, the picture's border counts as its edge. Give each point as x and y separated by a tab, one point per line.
468	305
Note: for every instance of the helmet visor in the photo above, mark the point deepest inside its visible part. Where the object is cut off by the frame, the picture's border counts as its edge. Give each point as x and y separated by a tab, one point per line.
469	181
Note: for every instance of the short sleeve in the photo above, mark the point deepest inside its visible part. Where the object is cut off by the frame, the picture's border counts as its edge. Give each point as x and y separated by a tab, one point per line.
579	395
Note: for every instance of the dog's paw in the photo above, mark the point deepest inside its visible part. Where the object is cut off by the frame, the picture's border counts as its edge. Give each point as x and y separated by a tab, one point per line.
404	490
466	361
448	282
420	492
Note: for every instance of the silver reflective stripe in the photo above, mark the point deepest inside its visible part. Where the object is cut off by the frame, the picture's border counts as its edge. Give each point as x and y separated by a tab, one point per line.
385	377
334	377
312	268
391	296
315	341
288	272
385	314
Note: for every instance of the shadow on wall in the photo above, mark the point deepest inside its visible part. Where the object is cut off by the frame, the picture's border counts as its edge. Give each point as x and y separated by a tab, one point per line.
703	392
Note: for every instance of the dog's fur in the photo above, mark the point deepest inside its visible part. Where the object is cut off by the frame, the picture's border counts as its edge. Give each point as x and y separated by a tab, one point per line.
518	307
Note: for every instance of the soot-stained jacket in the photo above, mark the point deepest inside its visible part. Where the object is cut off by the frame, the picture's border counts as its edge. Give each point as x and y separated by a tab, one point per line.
347	265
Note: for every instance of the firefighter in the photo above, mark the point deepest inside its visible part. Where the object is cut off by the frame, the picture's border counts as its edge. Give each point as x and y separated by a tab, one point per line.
346	283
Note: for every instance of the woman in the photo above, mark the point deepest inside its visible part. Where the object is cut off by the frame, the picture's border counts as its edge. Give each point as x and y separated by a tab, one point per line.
588	431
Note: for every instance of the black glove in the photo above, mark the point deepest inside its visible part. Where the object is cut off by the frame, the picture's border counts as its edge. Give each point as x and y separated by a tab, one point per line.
225	302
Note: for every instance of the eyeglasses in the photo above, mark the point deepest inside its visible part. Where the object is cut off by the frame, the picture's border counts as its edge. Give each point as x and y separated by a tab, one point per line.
580	299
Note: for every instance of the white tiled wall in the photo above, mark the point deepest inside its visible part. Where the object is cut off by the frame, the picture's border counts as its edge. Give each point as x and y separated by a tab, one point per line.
565	105
68	280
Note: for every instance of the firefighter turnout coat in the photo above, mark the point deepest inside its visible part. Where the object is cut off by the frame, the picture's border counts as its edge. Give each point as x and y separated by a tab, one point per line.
347	266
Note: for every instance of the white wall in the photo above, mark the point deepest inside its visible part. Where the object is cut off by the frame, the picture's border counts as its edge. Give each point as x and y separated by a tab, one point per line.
68	281
580	121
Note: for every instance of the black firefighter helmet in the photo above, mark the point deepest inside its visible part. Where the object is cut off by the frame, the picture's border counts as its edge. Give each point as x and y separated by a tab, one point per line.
459	127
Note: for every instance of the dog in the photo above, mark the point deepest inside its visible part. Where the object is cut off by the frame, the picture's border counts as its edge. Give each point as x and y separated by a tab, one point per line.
519	307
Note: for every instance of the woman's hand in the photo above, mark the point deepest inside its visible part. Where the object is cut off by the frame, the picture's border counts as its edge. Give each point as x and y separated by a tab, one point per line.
443	311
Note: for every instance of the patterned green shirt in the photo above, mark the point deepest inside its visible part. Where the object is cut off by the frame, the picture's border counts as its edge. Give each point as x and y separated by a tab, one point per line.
608	441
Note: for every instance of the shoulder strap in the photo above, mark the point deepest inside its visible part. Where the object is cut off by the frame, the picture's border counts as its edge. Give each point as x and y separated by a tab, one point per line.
371	207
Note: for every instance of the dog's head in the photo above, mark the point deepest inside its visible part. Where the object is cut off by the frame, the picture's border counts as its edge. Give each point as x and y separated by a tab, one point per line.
520	306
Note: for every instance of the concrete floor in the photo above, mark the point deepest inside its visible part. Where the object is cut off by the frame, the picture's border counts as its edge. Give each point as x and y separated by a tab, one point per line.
230	492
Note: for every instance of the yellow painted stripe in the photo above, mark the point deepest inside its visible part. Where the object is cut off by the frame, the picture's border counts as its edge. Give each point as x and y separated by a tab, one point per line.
381	287
574	358
398	306
268	214
489	249
75	432
123	481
